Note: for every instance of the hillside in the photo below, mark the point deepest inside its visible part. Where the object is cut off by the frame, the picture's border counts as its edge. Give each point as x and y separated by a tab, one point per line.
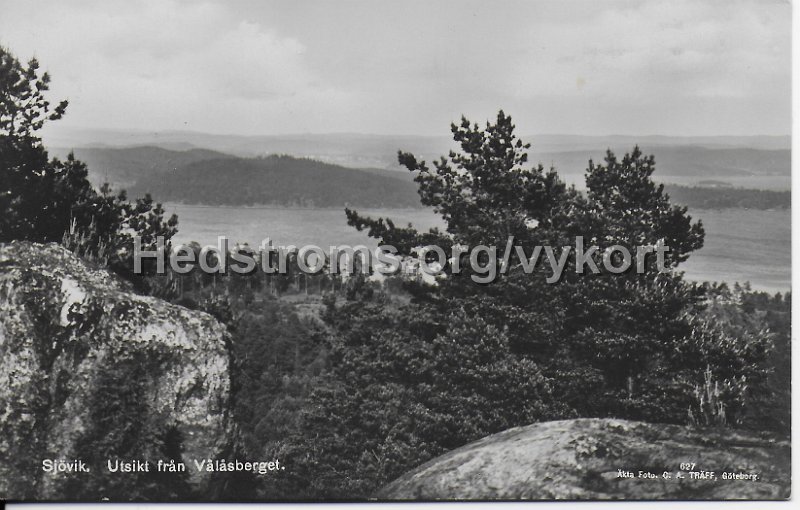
277	180
123	167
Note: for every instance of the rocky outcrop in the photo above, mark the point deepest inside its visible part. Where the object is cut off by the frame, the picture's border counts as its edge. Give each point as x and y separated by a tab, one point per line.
604	459
91	371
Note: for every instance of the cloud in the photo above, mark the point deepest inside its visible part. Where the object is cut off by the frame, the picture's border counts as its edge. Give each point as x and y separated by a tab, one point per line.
683	67
164	64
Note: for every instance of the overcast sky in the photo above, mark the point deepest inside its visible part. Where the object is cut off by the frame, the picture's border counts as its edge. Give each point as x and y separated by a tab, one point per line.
576	67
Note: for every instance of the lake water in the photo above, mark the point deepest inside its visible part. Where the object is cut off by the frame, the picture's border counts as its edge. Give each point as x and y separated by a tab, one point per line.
740	245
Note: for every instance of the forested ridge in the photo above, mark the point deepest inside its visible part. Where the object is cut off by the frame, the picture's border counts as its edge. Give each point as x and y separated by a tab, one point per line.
278	180
196	176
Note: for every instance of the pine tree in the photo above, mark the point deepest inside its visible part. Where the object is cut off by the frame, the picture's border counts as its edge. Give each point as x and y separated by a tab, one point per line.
48	200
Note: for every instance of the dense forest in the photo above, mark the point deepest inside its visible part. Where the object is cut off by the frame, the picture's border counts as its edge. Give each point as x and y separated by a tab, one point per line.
278	180
343	376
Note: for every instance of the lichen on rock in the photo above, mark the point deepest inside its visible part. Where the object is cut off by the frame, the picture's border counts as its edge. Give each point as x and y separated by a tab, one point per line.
91	370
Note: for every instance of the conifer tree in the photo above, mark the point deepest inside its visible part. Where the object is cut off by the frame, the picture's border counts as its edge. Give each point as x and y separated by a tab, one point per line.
44	199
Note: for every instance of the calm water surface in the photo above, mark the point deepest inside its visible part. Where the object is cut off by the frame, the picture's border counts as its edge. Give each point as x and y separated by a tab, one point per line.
740	245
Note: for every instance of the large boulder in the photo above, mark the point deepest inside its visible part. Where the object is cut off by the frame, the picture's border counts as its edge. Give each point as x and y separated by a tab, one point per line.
603	459
92	371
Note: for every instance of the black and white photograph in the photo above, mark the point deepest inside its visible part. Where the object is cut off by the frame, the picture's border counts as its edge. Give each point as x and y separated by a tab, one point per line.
380	251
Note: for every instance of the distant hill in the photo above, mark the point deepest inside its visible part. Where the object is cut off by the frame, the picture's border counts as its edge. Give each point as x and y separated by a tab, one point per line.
728	198
123	167
563	143
277	180
197	175
683	161
380	151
